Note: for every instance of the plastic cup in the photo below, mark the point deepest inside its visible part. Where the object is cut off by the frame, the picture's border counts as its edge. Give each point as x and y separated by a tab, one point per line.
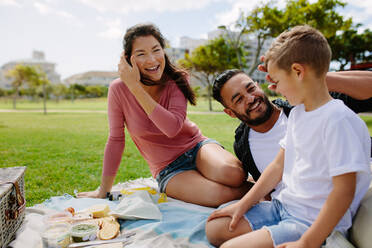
56	235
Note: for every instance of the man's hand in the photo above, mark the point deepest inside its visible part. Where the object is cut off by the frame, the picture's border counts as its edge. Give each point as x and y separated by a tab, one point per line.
262	67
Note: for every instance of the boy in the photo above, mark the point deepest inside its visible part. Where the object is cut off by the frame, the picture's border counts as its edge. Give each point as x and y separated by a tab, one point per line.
323	161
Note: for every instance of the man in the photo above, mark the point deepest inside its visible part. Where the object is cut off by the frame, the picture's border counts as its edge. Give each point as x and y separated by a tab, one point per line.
264	123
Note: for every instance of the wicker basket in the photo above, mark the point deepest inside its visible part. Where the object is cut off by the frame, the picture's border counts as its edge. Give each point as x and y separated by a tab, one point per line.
12	202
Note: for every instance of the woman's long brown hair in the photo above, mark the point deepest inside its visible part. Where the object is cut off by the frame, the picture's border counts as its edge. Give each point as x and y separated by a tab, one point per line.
170	71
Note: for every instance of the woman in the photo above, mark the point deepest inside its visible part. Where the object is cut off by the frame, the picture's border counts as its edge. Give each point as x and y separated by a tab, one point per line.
150	99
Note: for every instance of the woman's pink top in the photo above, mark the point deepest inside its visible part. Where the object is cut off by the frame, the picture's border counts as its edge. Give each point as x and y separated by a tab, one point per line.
160	137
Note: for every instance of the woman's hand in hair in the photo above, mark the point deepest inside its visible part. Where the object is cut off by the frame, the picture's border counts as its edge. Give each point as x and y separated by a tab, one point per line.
128	74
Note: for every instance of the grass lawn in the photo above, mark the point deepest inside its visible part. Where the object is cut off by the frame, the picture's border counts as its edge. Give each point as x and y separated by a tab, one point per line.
64	151
89	104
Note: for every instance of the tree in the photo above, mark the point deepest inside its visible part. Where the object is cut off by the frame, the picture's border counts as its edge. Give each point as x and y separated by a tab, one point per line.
208	60
21	74
267	20
76	89
263	23
40	79
234	39
95	91
351	46
59	90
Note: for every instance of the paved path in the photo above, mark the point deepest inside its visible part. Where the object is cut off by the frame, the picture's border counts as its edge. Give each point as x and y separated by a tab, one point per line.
87	111
105	112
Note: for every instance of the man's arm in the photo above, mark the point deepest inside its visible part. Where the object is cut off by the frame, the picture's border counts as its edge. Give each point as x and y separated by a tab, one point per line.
357	84
333	210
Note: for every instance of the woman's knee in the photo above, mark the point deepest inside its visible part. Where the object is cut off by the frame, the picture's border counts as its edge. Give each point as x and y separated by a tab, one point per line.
233	174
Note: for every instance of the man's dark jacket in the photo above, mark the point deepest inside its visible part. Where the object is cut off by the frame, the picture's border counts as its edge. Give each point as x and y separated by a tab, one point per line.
241	143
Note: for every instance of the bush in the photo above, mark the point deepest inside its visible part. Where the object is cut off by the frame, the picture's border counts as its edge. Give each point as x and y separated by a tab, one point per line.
264	87
2	92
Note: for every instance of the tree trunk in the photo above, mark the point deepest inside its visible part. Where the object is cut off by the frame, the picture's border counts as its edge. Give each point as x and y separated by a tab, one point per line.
16	93
44	99
255	62
209	99
209	88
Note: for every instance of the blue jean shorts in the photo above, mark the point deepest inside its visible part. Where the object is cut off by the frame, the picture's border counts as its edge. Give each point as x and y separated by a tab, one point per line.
272	216
183	163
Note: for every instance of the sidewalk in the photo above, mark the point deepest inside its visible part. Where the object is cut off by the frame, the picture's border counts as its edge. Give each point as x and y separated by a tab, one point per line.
90	111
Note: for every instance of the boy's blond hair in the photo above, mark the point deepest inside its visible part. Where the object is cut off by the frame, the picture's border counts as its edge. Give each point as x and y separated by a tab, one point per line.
303	45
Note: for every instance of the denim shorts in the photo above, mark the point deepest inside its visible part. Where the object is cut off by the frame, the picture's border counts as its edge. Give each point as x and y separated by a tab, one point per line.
272	216
183	163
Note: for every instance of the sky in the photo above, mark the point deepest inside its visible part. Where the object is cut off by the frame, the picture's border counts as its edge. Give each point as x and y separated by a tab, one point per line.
85	35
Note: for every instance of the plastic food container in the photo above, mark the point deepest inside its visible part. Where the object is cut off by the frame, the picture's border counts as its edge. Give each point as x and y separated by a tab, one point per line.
84	232
56	235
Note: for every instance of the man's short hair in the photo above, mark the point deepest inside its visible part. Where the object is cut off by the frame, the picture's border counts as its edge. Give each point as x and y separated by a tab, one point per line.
303	45
220	81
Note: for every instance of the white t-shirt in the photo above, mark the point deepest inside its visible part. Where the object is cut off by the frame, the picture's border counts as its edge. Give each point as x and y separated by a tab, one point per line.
320	144
265	146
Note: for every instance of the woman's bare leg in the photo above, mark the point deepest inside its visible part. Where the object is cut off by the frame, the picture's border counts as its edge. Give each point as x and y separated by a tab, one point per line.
219	165
191	186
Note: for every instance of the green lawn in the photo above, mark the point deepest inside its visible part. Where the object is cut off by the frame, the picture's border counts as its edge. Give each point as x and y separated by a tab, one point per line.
89	104
64	151
77	104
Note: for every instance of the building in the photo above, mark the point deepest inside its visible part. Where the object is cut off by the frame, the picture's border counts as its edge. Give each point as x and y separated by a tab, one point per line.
175	53
190	44
38	60
92	78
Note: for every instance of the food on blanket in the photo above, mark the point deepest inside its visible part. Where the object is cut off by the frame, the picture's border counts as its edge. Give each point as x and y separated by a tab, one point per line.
82	216
56	235
59	217
99	221
71	210
84	232
110	229
99	211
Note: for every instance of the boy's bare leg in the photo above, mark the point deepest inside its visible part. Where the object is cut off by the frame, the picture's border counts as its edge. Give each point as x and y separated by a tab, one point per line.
257	239
217	230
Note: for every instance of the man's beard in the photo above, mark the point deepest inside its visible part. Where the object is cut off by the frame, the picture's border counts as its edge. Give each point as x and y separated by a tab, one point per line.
259	119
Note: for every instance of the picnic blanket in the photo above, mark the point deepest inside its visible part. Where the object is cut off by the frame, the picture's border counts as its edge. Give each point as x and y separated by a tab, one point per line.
181	224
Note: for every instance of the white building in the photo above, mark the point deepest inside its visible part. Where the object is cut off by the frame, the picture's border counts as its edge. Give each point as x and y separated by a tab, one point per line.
37	60
175	53
92	78
190	43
